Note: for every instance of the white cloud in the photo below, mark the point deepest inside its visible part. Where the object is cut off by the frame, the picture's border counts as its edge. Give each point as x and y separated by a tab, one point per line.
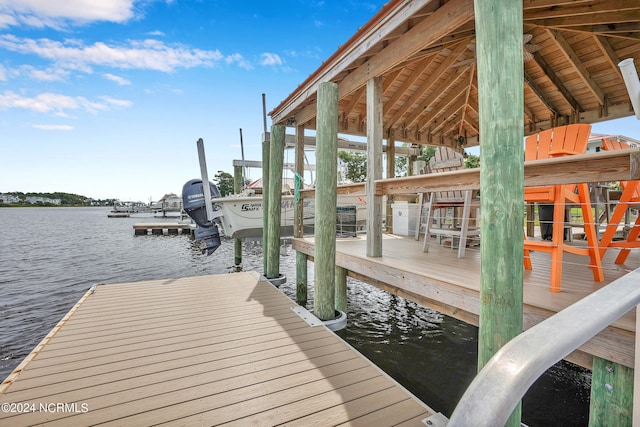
156	33
236	58
3	74
57	104
57	14
53	127
270	59
135	54
117	79
123	103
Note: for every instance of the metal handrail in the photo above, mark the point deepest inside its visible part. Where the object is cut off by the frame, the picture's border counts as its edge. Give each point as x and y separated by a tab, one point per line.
503	381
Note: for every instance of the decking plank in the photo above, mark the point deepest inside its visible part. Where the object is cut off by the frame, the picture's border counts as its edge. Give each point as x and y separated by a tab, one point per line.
177	357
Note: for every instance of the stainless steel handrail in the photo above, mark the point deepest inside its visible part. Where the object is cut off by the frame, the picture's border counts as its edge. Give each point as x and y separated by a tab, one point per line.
500	385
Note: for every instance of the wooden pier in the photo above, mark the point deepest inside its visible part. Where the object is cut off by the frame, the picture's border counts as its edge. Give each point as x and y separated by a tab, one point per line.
209	350
144	228
451	285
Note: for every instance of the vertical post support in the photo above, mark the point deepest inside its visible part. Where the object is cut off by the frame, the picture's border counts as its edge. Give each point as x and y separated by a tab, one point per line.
266	151
237	188
298	229
391	173
341	289
276	160
501	110
326	200
611	394
374	166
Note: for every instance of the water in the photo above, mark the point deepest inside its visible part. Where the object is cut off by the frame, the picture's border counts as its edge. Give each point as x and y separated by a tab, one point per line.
49	257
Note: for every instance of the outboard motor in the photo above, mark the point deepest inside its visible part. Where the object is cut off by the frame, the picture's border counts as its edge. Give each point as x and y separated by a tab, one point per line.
194	204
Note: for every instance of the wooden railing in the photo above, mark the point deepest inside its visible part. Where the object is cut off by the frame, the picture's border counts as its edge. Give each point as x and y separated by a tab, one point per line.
619	165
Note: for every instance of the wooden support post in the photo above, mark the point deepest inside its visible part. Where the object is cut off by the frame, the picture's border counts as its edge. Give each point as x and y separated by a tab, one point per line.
266	151
326	200
341	289
374	166
276	160
391	173
301	278
237	188
611	394
298	229
501	110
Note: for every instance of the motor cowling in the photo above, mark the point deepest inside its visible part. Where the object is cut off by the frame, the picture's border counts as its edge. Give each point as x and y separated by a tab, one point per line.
194	204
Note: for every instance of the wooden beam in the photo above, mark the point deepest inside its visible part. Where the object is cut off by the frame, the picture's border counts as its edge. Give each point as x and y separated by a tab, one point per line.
374	166
555	80
618	165
582	71
448	17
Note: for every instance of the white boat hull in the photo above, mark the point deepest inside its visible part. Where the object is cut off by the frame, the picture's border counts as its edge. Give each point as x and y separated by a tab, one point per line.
242	217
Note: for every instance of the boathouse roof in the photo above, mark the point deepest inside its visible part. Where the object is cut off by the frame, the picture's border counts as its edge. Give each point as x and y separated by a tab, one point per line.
425	52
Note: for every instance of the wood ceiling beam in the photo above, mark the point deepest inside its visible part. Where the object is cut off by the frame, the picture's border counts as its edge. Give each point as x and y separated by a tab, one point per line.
555	80
573	59
571	10
608	52
540	94
422	65
603	18
443	109
353	102
429	103
433	78
472	77
444	20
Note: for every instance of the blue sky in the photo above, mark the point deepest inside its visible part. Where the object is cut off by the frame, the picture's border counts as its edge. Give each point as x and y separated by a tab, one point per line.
107	99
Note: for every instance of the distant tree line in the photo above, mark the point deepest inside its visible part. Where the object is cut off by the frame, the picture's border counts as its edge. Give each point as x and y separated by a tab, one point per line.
66	199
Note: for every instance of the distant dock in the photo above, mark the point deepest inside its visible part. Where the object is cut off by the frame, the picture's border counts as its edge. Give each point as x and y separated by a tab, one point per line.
144	228
209	350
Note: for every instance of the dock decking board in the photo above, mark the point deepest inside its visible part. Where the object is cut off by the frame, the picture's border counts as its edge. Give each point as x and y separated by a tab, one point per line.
451	285
224	349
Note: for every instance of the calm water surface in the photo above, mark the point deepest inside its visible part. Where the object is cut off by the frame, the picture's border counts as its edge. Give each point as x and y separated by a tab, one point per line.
49	257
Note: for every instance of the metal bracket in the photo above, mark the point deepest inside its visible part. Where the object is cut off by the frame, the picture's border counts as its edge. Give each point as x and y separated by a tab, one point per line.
307	316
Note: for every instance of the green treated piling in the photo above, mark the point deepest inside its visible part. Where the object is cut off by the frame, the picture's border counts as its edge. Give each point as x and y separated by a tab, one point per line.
237	188
276	160
298	230
265	200
611	394
501	109
341	289
326	198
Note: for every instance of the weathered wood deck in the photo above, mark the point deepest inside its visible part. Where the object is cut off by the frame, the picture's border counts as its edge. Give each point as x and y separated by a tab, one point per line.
440	280
211	350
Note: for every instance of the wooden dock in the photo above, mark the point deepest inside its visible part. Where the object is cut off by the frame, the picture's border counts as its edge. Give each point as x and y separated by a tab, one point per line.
451	285
144	228
210	350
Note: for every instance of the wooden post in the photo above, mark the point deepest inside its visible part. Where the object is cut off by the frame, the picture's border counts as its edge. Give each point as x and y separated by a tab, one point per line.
611	394
265	201
326	200
341	289
501	110
298	230
391	173
237	188
276	160
374	166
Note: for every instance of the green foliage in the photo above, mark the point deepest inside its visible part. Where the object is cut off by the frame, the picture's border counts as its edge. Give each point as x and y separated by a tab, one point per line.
472	161
356	165
66	199
224	181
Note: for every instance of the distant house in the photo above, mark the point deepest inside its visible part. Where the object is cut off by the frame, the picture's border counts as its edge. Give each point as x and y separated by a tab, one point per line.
595	141
8	198
35	200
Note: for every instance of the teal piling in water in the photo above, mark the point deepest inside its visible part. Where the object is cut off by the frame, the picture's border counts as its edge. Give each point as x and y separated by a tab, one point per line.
326	200
341	289
237	188
276	160
374	166
611	394
501	109
298	230
265	200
